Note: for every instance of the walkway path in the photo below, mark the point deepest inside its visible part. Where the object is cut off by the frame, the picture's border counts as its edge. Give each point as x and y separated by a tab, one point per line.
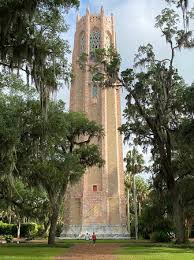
89	252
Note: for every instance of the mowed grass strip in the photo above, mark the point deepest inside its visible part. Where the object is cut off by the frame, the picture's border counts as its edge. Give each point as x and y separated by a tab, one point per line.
31	251
166	252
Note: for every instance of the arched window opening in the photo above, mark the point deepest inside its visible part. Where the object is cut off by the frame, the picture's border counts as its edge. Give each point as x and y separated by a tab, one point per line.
94	40
94	91
95	188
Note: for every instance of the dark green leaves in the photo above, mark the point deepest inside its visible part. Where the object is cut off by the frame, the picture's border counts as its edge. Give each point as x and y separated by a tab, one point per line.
31	41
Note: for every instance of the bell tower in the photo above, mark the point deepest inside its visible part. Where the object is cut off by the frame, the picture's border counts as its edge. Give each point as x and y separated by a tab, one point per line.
97	202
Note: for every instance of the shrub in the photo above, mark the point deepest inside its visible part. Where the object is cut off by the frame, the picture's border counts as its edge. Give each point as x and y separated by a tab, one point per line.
28	230
40	230
5	229
160	236
59	229
192	233
8	238
14	230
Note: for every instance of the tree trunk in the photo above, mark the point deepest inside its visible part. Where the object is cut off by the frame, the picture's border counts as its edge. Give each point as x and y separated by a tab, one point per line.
9	215
53	224
18	230
46	228
128	214
139	209
9	218
55	206
189	230
135	207
178	217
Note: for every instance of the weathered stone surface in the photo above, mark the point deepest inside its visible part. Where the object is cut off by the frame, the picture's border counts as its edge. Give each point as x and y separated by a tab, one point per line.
101	231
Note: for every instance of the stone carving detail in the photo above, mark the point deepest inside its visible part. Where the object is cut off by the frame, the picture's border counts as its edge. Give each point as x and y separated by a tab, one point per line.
94	40
94	19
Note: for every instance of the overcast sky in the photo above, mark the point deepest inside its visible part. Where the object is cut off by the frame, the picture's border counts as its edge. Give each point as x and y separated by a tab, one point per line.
134	22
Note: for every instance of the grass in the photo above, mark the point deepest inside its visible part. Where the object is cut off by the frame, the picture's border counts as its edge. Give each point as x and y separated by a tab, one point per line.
155	252
31	251
129	250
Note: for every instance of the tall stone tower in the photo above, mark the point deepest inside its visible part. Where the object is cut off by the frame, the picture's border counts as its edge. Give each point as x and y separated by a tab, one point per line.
97	202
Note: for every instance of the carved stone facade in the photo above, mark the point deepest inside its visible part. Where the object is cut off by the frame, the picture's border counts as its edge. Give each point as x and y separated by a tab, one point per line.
97	202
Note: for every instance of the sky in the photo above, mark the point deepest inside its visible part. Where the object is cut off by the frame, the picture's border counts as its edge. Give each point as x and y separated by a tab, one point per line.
134	23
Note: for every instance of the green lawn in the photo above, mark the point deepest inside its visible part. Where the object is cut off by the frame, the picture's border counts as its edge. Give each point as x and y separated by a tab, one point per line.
154	252
30	251
129	250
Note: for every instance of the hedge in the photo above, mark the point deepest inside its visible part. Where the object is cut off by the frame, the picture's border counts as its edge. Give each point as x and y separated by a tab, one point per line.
27	229
160	236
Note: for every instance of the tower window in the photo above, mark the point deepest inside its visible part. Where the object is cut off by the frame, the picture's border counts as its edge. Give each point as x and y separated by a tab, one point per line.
94	40
94	91
95	188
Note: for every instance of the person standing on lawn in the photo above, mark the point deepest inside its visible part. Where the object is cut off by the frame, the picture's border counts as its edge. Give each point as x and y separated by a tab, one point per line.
87	237
94	238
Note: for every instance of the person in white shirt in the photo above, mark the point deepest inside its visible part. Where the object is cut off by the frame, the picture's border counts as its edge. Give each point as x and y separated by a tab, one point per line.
87	236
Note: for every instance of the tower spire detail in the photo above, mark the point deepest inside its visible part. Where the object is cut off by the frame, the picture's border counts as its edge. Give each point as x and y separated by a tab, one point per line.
88	9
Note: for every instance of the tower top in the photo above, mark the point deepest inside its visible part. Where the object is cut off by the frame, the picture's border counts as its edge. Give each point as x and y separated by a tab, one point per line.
93	17
101	12
88	10
99	28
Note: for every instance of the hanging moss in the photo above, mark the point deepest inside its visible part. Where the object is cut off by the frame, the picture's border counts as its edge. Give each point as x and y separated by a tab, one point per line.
30	32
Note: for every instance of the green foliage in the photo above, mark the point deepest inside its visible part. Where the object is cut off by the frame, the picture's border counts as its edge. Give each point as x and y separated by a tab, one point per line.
40	230
160	236
108	59
27	229
59	229
8	238
156	110
6	229
151	222
134	162
156	214
142	188
31	41
192	232
41	157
